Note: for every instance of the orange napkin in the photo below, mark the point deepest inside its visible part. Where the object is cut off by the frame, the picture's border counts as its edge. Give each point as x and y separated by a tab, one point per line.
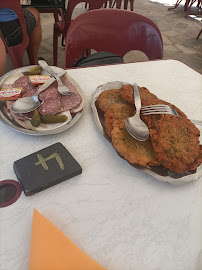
52	250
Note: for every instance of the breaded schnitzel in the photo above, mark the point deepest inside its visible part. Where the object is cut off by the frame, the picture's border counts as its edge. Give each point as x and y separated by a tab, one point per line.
176	142
173	142
134	151
109	97
127	93
117	111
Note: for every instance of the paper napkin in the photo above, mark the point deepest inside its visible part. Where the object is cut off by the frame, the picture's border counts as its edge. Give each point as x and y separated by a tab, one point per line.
52	250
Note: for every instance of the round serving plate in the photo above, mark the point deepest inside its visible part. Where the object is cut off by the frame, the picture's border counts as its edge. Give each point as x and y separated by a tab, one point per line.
5	117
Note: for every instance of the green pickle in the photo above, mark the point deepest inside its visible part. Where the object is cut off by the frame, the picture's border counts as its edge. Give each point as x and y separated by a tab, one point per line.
33	71
48	119
36	120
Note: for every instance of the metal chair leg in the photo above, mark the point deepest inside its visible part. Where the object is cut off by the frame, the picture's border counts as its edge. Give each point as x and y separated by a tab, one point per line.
199	34
176	5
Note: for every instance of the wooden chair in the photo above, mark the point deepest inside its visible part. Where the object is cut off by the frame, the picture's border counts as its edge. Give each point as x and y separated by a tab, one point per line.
112	30
61	27
16	53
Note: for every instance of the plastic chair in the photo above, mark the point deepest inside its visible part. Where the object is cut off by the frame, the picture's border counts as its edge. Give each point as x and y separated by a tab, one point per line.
117	4
17	52
57	8
113	30
125	4
187	5
61	27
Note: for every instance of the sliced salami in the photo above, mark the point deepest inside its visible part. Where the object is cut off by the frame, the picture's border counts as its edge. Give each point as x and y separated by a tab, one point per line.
69	85
70	102
22	81
50	92
50	106
28	91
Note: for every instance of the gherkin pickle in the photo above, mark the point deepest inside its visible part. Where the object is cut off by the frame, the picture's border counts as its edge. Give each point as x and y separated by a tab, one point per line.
33	71
48	119
36	120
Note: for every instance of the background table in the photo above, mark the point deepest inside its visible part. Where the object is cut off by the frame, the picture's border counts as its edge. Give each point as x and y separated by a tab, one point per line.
118	215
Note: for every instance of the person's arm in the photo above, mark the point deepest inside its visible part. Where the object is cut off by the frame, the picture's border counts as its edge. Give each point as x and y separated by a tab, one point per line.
2	58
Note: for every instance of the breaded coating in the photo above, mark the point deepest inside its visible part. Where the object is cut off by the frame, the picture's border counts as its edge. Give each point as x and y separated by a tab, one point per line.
176	142
127	93
173	142
109	97
147	98
117	111
197	162
134	151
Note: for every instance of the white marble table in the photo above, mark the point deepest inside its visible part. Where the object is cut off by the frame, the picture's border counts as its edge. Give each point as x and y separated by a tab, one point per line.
118	215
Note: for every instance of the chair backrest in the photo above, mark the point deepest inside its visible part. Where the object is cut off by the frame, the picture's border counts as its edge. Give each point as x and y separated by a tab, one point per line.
92	4
16	53
113	30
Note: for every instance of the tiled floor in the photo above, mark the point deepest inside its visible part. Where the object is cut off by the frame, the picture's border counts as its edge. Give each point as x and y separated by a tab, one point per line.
179	33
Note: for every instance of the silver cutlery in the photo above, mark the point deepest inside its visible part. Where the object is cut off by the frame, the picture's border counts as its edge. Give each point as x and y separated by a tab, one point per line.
62	89
134	125
28	104
164	109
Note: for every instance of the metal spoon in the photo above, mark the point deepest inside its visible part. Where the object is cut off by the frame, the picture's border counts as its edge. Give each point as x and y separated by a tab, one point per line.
29	104
134	125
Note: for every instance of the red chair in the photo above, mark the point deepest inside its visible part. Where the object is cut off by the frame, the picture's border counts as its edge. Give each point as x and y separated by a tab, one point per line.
118	4
61	27
112	30
187	5
57	8
17	52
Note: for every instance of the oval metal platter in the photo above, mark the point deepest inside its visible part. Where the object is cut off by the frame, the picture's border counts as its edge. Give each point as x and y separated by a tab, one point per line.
158	172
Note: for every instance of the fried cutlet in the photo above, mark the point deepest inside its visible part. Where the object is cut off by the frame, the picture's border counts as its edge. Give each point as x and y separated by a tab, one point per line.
147	98
109	97
117	111
127	93
197	162
134	151
176	142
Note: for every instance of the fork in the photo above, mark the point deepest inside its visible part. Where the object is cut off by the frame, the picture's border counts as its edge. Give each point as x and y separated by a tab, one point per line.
62	89
164	109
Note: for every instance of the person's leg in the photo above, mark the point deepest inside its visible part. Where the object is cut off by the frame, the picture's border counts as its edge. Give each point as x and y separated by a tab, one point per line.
35	36
2	58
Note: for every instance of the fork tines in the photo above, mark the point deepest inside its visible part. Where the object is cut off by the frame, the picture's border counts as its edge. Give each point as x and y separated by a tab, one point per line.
156	109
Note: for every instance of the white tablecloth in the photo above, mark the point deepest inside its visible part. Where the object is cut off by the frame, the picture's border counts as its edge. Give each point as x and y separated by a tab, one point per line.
121	217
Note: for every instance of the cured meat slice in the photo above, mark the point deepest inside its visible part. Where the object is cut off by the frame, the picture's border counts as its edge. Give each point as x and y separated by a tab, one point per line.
69	85
22	81
50	92
50	106
70	102
28	91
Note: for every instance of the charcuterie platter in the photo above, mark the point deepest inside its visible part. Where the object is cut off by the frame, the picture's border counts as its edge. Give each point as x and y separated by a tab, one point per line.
68	109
